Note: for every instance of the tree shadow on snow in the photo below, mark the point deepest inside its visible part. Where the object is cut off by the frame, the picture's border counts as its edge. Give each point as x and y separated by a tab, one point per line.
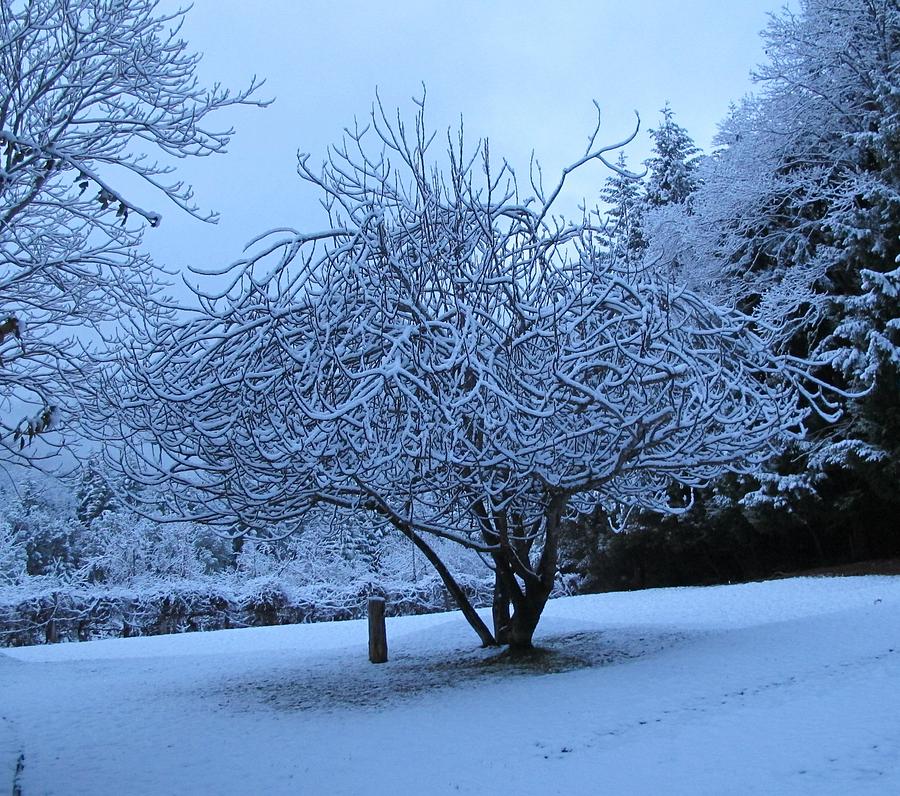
338	682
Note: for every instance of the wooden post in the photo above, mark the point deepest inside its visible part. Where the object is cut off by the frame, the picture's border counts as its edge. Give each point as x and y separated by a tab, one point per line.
378	652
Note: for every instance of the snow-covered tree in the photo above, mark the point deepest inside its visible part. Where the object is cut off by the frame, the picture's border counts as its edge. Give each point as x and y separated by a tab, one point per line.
94	492
92	92
39	520
673	176
13	555
625	208
124	548
672	165
454	359
826	211
804	187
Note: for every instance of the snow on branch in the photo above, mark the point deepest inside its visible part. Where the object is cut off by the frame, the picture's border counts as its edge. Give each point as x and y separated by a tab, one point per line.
443	345
91	92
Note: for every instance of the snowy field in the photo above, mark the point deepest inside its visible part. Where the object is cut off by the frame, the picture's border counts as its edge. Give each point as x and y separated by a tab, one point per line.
790	686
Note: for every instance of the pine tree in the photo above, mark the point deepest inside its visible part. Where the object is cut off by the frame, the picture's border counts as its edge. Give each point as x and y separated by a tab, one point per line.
673	163
93	494
796	217
623	196
671	183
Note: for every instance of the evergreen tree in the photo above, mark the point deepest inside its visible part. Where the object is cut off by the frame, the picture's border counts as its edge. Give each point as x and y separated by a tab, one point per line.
672	179
796	217
827	125
623	196
673	163
93	493
39	521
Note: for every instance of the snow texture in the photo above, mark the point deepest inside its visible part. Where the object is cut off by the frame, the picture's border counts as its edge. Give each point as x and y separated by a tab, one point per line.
786	686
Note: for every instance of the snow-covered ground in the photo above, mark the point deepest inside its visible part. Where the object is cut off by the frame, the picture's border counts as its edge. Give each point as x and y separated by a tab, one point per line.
790	686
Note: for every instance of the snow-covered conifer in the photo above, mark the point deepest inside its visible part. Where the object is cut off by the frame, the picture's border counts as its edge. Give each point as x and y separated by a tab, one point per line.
672	164
797	219
673	177
625	209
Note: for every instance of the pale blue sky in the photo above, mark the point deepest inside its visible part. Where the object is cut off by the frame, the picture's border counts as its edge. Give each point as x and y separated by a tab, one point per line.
522	73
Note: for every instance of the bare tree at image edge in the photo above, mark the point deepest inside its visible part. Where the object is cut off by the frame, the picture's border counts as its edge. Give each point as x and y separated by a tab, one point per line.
91	92
454	359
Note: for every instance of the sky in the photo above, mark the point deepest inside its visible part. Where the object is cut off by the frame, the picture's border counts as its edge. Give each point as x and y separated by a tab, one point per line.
523	74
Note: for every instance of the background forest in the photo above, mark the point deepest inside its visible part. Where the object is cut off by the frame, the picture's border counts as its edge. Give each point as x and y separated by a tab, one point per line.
793	219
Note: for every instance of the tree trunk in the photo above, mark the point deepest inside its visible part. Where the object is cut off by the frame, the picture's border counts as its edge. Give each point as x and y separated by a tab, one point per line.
500	610
817	544
522	626
237	547
529	603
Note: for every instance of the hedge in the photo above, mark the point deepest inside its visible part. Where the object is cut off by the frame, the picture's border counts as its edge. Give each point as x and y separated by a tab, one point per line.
55	612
